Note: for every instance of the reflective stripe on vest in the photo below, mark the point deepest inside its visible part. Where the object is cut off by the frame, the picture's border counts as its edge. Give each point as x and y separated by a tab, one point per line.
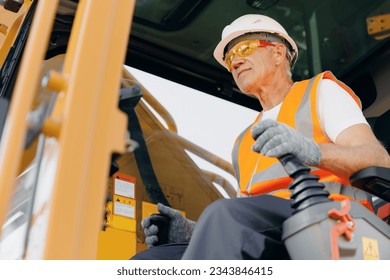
258	174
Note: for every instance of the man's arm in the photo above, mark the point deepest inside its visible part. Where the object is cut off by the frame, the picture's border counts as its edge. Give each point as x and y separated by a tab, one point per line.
355	148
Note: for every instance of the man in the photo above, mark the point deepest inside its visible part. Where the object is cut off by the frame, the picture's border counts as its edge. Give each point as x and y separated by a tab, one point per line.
319	121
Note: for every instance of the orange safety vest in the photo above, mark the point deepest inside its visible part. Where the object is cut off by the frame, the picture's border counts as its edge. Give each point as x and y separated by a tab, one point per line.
299	111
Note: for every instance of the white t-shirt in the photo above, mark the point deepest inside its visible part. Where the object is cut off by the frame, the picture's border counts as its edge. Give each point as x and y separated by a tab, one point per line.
336	109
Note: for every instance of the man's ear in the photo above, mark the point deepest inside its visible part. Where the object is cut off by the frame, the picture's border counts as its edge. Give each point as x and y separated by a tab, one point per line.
279	53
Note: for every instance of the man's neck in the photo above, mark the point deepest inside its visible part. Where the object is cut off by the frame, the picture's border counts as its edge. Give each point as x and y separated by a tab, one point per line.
273	94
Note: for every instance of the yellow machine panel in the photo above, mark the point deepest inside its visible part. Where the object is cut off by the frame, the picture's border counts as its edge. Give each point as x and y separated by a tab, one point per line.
116	244
118	239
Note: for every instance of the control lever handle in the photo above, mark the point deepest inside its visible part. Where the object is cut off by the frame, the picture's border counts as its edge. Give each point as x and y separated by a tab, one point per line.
162	222
293	166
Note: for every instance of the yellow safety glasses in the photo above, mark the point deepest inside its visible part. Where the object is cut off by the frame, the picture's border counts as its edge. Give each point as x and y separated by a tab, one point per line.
243	49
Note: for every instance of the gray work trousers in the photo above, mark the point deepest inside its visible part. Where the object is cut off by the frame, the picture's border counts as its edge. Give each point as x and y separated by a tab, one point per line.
241	228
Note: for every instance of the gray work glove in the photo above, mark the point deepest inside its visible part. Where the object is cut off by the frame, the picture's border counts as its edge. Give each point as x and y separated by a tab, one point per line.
180	228
274	139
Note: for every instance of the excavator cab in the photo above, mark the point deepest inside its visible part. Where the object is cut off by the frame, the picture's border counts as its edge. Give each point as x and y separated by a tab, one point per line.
79	132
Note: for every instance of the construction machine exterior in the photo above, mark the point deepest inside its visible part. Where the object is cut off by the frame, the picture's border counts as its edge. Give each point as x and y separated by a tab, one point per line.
86	151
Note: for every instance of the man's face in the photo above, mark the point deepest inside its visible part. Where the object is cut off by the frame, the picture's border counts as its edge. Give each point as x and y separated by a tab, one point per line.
252	71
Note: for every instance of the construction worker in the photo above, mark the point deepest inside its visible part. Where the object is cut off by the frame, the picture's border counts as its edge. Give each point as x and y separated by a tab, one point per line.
319	121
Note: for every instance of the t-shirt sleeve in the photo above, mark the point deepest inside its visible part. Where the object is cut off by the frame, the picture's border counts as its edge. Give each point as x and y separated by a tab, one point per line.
336	109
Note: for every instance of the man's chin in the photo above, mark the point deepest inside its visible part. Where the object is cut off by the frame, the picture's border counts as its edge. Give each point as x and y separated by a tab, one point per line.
246	92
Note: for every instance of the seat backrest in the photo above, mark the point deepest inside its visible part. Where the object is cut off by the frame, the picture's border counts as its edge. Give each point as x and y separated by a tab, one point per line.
370	176
381	129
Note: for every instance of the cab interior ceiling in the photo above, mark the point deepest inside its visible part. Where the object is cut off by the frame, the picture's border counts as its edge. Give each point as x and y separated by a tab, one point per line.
175	40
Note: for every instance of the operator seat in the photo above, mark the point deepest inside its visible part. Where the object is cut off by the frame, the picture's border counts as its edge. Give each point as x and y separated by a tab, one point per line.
382	131
376	180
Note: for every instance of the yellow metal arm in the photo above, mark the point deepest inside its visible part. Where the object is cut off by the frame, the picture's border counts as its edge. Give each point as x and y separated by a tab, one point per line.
91	126
85	122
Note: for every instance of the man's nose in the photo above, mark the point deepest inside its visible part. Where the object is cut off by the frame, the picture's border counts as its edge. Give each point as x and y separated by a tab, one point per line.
236	62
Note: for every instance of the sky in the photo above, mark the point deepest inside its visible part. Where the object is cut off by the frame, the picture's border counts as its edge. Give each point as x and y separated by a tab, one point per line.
205	120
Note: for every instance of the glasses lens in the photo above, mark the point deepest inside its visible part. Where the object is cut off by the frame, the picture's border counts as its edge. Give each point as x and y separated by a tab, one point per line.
243	49
228	61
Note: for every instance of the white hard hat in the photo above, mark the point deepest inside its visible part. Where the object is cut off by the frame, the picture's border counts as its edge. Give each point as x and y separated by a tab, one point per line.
252	23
